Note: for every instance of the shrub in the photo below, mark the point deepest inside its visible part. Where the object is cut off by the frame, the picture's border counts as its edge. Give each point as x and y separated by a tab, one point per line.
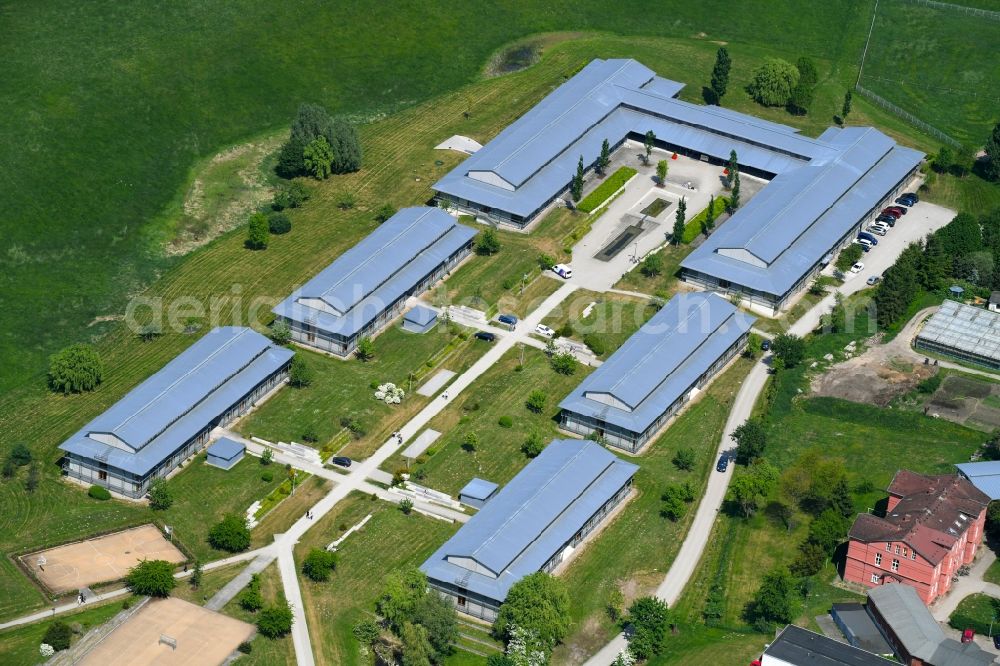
230	534
546	261
565	331
930	384
58	635
292	196
533	445
267	477
848	257
75	369
365	350
160	495
281	332
506	422
99	493
151	578
508	283
250	598
246	647
278	223
563	362
267	457
684	459
603	192
309	435
300	375
319	563
406	506
595	343
20	454
346	200
384	212
470	442
275	621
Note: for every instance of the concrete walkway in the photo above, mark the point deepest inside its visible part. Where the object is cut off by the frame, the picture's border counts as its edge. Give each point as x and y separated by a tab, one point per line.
233	587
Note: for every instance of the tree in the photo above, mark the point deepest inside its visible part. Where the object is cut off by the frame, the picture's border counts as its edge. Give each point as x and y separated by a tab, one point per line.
809	561
710	213
196	575
292	195
58	635
647	144
416	648
366	632
807	71
944	161
470	441
267	457
732	168
347	153
281	332
317	158
849	256
536	401
649	618
801	99
790	348
576	185
319	564
311	123
774	602
75	369
720	74
290	158
20	454
751	440
684	459
275	621
846	108
160	495
251	599
437	616
230	534
652	265
365	350
605	158
773	81
346	200
734	194
524	648
674	505
563	363
257	232
748	489
151	578
841	500
278	223
677	233
300	374
405	505
487	244
384	212
538	603
754	346
898	288
828	529
403	589
661	171
991	163
533	445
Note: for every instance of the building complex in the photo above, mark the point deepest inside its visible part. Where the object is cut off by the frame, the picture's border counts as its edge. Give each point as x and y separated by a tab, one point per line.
169	417
821	191
367	286
630	397
534	523
932	526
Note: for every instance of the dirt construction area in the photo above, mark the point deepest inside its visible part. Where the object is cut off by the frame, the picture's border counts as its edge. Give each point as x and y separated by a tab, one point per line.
84	563
168	632
873	376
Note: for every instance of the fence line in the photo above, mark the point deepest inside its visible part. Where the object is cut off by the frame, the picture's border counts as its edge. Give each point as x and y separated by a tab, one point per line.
906	115
972	11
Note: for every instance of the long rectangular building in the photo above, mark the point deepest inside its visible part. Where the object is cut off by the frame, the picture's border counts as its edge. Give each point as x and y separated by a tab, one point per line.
964	332
648	379
367	286
168	417
533	524
821	192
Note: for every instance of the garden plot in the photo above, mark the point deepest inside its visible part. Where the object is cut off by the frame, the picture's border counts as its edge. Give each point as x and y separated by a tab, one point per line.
968	401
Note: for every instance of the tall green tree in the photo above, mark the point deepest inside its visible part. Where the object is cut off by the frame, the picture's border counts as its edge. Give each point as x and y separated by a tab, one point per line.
661	171
151	578
991	163
790	348
732	168
935	264
417	648
720	74
605	158
649	618
710	213
900	284
404	588
317	158
160	495
773	81
751	440
774	603
75	369
647	143
437	616
257	232
845	110
807	71
734	194
576	185
230	534
488	243
677	234
276	620
747	490
538	603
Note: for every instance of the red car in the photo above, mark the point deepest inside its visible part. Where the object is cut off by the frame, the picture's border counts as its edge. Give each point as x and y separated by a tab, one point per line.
968	636
892	212
903	210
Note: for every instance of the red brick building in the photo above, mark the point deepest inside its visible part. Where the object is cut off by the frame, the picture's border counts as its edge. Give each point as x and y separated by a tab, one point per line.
932	526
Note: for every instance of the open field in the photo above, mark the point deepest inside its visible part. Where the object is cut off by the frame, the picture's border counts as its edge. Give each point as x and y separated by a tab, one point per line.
389	541
20	645
84	563
501	391
266	651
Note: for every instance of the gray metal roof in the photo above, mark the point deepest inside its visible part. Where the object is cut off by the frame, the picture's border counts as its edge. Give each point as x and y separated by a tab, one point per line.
531	518
964	328
983	475
860	631
226	448
164	412
480	489
421	315
660	362
801	647
348	294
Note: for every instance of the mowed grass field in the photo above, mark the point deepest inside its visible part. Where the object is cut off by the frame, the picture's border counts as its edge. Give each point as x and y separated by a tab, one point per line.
930	61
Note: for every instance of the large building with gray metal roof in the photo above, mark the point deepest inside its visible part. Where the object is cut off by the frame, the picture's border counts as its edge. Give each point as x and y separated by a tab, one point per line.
534	523
169	417
629	398
821	192
367	286
964	332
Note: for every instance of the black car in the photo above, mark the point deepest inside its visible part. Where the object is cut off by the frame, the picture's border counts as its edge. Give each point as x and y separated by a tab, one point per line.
765	344
723	463
888	219
486	335
996	641
508	319
343	461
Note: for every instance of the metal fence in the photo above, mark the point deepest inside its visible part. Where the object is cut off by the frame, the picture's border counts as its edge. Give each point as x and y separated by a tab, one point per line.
972	11
906	115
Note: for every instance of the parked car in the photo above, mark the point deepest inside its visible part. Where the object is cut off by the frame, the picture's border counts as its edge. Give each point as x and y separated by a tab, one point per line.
342	461
907	200
858	267
508	319
902	210
996	641
563	271
892	212
865	245
874	280
765	345
865	236
486	335
723	463
542	329
888	219
878	231
968	635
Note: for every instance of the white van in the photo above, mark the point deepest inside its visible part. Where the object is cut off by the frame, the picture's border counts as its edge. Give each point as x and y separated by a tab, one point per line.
563	271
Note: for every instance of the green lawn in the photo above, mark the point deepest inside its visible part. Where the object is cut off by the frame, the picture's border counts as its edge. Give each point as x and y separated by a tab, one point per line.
265	651
977	611
342	388
212	581
663	285
500	391
19	646
613	319
708	645
992	574
390	540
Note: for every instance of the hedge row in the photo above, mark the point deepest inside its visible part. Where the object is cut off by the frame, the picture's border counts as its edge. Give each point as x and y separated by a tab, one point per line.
693	227
614	182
